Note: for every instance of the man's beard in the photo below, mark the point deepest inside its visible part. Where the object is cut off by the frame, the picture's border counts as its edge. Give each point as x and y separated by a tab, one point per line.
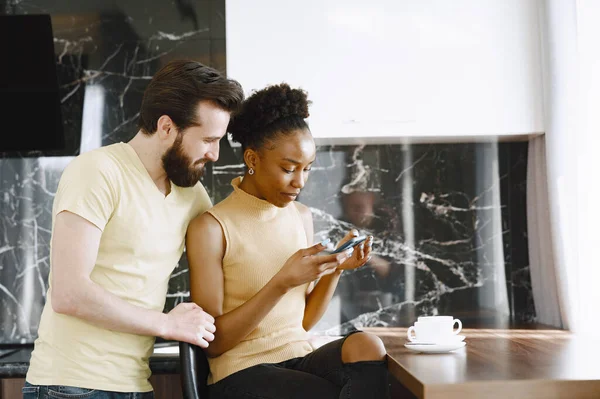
178	165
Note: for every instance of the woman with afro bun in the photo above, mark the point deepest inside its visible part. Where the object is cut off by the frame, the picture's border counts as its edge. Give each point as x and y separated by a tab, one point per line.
253	268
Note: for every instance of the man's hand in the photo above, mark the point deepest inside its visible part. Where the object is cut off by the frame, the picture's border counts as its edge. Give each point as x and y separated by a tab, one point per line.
189	323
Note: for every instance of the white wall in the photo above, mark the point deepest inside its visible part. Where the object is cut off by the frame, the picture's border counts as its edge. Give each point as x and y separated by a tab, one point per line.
387	68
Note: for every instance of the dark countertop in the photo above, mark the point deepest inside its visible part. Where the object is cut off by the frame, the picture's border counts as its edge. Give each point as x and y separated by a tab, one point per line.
14	358
499	363
14	362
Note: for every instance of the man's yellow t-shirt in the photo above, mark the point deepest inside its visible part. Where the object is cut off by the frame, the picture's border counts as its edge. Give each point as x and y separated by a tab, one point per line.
143	235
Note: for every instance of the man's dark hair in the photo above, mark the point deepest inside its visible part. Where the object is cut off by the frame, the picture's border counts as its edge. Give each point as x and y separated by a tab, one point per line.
179	86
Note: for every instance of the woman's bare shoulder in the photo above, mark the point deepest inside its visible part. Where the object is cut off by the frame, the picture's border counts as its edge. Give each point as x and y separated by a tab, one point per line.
204	224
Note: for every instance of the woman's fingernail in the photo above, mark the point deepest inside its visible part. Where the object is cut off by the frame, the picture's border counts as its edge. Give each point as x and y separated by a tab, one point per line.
355	233
325	242
349	251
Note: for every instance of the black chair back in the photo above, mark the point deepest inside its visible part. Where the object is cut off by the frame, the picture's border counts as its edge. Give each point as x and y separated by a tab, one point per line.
194	371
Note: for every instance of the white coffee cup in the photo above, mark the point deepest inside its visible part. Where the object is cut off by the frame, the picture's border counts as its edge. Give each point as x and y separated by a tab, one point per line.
434	329
435	318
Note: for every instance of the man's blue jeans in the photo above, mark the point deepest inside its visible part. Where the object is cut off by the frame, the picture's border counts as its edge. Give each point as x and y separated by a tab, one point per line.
63	392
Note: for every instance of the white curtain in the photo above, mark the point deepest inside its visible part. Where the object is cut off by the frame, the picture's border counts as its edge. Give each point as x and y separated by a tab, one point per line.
552	240
549	298
588	168
563	237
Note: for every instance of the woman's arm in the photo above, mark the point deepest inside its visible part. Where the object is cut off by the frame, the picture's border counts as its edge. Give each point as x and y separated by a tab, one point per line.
319	297
205	247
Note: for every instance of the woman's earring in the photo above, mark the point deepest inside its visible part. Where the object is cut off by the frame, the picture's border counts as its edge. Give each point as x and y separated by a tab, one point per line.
250	171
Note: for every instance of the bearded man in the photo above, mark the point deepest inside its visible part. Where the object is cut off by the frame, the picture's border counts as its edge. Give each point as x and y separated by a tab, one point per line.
119	221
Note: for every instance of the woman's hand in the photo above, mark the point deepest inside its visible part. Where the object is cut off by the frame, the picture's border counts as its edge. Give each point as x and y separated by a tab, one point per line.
305	266
362	252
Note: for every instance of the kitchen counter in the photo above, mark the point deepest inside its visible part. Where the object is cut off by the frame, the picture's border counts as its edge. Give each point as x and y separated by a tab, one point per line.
499	364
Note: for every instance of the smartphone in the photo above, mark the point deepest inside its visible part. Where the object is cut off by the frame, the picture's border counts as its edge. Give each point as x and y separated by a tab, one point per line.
350	243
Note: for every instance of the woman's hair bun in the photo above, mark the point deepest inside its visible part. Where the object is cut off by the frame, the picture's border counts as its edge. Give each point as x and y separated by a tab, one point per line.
267	108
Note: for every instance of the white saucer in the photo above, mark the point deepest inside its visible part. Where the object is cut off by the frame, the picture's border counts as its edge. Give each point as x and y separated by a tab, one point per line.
434	348
454	339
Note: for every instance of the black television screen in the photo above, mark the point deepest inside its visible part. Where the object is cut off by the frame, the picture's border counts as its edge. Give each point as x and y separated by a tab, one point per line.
29	93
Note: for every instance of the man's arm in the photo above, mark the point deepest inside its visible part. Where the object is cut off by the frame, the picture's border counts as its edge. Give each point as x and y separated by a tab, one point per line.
75	243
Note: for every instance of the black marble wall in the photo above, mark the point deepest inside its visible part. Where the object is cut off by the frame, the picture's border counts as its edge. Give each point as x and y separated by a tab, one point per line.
449	222
106	53
449	219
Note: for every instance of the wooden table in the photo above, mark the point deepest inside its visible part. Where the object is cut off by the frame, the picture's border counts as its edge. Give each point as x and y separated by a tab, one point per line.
499	364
